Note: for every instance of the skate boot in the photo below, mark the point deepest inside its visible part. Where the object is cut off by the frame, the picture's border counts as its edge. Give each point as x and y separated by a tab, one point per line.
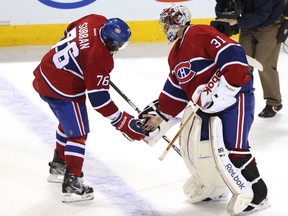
57	169
256	208
74	190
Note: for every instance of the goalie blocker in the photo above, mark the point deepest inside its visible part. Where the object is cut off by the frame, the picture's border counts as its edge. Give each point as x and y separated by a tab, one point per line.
215	169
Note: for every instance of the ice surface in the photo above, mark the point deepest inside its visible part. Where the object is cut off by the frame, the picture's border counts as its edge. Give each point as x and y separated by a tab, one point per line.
127	177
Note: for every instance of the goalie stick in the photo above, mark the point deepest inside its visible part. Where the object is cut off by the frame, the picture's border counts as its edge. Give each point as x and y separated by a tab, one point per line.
254	63
178	133
139	111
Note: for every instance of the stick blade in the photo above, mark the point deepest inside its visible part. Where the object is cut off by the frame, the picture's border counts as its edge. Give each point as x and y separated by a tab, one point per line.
254	63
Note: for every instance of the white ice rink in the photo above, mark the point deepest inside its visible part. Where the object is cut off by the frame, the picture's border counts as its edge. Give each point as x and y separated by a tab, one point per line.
127	177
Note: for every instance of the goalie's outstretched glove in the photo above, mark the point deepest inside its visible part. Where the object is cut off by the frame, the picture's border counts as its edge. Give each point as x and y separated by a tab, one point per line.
129	126
153	109
220	99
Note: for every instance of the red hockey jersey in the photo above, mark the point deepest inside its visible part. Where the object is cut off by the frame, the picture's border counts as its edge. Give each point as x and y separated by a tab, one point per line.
194	59
78	64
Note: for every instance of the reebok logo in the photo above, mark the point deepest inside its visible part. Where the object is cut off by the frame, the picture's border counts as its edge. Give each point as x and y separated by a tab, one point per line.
122	123
208	90
213	82
234	176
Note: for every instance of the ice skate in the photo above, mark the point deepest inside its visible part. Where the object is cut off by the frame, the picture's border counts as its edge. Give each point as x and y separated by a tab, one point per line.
74	190
257	208
57	169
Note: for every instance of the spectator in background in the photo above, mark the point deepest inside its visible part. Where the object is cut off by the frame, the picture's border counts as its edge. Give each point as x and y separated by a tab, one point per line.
259	24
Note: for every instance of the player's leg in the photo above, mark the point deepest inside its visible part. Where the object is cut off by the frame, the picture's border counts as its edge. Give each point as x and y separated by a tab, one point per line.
239	171
57	165
73	119
73	187
239	161
268	49
61	140
205	182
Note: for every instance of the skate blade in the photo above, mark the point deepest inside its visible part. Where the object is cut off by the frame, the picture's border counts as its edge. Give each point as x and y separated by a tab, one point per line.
72	197
52	178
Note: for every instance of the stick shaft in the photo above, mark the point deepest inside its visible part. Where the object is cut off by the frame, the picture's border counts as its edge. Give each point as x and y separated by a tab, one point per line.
125	97
178	134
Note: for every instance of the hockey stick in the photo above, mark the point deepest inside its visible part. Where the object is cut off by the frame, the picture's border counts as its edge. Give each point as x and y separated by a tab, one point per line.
138	111
125	97
178	133
254	63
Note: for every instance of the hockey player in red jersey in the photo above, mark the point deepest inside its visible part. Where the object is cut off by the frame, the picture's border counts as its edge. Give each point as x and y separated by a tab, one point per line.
81	63
211	70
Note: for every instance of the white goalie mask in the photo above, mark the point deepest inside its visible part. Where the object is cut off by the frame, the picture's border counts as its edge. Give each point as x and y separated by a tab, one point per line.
172	19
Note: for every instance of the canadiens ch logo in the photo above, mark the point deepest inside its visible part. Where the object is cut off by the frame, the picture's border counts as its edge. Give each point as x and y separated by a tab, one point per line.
66	5
183	72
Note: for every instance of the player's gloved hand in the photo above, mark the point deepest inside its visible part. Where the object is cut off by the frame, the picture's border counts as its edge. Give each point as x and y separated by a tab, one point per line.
129	126
222	98
148	114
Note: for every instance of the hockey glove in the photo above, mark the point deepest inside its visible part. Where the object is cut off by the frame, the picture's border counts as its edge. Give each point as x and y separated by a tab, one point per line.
129	126
153	109
222	97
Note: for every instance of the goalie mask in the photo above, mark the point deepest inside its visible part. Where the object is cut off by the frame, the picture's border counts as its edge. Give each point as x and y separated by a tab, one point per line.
172	19
115	34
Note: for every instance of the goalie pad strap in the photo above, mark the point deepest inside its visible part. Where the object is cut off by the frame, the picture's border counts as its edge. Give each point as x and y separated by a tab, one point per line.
246	164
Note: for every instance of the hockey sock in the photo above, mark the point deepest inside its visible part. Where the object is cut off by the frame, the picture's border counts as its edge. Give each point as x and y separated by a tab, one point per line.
74	154
61	140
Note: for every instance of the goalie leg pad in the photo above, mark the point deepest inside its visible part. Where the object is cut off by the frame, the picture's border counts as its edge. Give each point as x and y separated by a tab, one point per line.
239	171
205	181
198	190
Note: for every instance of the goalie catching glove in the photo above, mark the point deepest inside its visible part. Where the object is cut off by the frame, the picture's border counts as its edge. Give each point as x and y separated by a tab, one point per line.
153	109
218	100
154	125
129	126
